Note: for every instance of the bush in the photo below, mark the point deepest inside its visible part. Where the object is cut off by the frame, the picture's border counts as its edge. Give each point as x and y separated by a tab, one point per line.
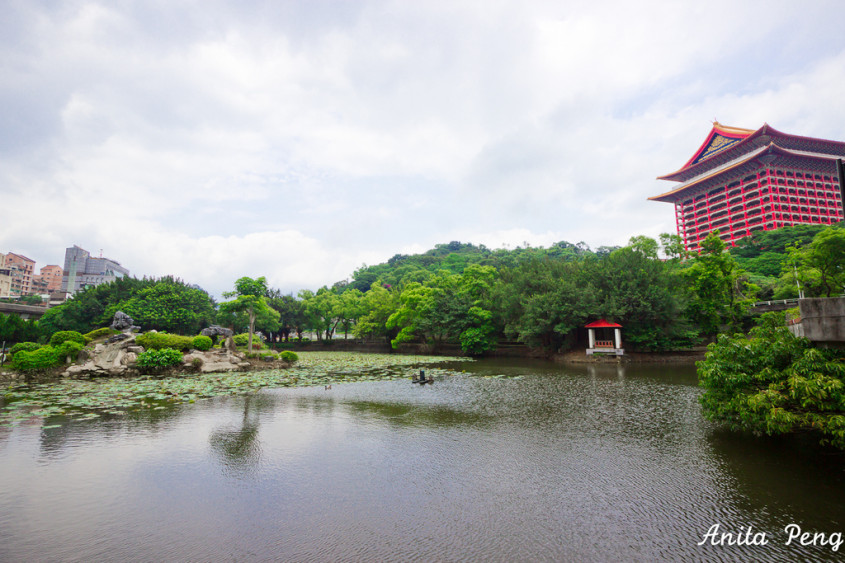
98	333
63	336
241	339
36	360
155	360
68	348
197	363
289	356
24	346
160	340
201	343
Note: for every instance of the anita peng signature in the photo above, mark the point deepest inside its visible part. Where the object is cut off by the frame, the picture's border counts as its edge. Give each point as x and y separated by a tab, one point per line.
794	536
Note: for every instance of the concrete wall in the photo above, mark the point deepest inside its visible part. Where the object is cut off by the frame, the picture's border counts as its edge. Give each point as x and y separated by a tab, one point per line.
823	319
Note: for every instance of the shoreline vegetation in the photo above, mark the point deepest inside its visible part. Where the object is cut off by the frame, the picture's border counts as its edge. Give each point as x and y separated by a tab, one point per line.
470	301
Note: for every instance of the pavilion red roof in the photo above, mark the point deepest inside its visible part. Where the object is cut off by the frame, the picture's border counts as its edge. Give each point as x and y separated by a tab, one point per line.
601	323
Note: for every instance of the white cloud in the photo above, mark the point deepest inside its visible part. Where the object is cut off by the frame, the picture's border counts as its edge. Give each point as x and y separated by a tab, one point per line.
213	140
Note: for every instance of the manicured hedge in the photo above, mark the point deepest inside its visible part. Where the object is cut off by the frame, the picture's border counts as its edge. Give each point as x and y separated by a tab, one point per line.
159	340
99	333
202	343
68	348
289	356
242	339
65	335
41	359
24	346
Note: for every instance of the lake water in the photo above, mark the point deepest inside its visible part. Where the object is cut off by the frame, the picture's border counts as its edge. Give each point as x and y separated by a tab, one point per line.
562	464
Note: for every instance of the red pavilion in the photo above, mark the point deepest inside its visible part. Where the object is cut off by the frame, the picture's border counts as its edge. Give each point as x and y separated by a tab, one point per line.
741	181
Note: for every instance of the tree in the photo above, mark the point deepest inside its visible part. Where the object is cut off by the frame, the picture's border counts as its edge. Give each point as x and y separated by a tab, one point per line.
774	383
719	293
167	305
250	297
646	246
377	305
821	263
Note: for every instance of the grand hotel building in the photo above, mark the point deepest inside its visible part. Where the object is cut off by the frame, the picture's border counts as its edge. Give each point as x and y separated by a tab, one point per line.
741	181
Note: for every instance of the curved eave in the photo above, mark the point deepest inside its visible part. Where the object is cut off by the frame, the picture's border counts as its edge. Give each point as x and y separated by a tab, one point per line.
766	131
718	129
771	148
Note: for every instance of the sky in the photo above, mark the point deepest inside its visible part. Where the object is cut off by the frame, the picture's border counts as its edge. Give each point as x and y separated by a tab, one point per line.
300	140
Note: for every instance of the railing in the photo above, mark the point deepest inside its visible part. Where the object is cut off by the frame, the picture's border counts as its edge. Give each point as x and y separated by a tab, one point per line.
779	302
605	344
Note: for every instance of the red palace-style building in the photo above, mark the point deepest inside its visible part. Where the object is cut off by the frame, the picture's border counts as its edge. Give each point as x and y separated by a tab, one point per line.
741	181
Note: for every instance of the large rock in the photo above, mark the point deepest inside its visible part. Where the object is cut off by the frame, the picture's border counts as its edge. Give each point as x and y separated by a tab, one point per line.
216	330
122	322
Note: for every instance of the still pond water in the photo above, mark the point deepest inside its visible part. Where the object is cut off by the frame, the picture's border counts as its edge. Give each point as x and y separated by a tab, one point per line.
566	463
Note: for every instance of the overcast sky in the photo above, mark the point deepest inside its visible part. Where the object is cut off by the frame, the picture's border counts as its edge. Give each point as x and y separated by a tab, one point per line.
299	140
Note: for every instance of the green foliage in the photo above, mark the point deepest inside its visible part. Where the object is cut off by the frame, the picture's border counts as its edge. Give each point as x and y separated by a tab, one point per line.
24	346
15	329
99	333
68	349
250	299
161	340
289	356
201	343
30	300
241	339
774	383
455	257
156	360
66	335
154	304
37	360
719	293
819	265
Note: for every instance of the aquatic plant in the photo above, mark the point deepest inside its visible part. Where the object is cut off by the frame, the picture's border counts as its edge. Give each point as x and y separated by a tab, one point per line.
85	399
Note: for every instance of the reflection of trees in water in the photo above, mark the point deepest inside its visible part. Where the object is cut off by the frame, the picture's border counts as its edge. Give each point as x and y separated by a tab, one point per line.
237	446
788	476
403	414
105	427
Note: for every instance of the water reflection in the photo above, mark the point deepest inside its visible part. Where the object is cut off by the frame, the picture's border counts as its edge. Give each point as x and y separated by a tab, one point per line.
583	463
237	445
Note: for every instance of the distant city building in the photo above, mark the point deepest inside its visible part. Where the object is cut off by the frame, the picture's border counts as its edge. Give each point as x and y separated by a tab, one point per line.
83	270
5	278
21	271
48	281
741	181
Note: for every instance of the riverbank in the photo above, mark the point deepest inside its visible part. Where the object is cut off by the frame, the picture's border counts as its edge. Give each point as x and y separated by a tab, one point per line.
504	350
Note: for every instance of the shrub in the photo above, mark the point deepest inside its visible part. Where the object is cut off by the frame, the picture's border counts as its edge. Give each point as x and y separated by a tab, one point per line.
68	348
201	342
160	340
241	339
63	336
98	333
197	363
155	360
24	346
289	356
36	360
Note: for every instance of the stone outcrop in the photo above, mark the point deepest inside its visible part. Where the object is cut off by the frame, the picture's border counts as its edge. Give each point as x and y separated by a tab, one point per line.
217	330
123	322
119	358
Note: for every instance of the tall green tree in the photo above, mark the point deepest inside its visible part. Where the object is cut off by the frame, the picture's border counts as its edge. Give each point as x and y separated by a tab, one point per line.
719	292
821	263
250	297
